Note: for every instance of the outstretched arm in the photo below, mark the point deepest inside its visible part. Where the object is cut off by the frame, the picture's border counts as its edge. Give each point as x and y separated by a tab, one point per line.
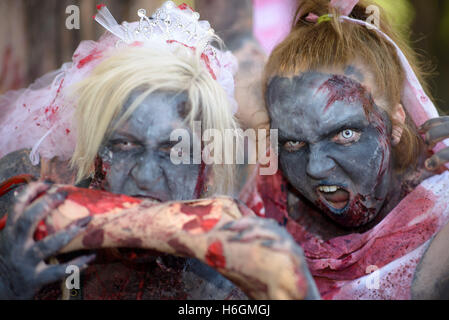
256	254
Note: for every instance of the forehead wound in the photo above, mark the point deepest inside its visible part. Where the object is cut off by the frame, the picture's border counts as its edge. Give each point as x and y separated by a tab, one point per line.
342	88
336	87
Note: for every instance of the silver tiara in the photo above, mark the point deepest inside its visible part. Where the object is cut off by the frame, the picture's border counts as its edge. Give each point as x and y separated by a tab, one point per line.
169	22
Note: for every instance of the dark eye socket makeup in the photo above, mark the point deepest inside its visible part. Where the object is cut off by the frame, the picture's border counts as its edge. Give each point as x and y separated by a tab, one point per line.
125	144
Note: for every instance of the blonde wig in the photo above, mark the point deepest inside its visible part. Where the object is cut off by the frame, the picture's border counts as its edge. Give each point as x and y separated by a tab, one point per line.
177	69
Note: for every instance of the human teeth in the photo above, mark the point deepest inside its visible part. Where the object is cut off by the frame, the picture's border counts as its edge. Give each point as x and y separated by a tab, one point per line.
328	189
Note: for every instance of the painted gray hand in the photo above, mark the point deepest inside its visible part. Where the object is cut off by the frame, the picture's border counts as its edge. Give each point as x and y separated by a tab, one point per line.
436	130
23	267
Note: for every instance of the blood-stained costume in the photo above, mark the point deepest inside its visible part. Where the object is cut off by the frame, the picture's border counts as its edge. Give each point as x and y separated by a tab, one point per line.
378	263
341	266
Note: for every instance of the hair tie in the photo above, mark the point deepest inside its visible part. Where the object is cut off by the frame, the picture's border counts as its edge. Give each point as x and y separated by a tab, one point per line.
315	19
324	17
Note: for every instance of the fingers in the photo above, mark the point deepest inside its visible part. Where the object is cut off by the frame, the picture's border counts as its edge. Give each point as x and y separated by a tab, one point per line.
437	133
55	273
432	123
37	212
437	160
252	228
27	197
238	225
256	233
53	244
244	210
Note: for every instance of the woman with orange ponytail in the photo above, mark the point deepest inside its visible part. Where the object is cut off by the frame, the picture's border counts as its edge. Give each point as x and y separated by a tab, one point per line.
362	185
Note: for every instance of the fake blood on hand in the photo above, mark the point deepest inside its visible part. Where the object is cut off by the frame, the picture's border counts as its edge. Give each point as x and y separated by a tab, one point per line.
97	202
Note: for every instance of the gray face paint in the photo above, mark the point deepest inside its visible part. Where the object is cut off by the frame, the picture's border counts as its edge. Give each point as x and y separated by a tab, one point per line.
334	144
136	157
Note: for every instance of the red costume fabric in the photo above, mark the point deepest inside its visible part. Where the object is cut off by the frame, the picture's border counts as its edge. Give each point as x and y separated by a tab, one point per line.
343	266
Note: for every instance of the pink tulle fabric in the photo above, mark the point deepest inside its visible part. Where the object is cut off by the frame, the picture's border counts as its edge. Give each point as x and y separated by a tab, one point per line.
41	117
344	6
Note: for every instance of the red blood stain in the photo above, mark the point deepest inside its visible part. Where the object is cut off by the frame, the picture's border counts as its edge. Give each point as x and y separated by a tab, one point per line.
214	255
356	214
52	109
204	57
94	239
41	231
94	55
206	225
198	222
199	210
97	201
341	88
192	224
3	222
15	182
67	131
101	171
100	6
137	44
185	6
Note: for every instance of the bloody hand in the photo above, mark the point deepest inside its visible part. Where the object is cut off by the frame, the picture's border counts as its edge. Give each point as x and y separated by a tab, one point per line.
257	255
23	270
436	130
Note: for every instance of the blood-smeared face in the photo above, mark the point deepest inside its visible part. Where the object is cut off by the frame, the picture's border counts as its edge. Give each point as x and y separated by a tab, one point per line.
335	146
136	157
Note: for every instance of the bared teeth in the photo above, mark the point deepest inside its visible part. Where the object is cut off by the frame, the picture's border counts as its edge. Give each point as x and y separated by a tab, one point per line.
328	189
